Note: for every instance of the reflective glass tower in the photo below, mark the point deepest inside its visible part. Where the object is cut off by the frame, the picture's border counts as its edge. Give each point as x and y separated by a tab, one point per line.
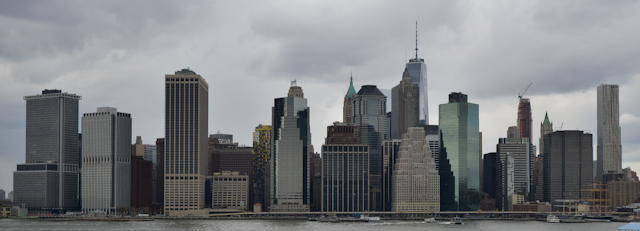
418	72
459	150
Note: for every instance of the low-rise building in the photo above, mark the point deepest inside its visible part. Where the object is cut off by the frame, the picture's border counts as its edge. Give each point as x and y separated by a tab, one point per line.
230	190
530	207
622	193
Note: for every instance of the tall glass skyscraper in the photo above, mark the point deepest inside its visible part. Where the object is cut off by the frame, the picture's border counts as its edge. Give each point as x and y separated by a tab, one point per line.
418	72
459	150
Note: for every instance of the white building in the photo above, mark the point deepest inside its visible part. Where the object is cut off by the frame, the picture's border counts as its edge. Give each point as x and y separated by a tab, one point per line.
106	160
416	183
609	141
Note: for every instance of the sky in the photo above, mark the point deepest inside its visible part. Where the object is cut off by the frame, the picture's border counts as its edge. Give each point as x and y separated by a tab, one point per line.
116	53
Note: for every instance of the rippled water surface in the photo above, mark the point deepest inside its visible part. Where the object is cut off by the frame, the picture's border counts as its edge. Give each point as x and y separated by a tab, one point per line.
35	224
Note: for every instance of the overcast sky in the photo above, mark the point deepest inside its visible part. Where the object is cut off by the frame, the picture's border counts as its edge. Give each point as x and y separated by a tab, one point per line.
116	53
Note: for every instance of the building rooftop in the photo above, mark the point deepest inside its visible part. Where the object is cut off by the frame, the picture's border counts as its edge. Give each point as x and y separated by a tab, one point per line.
351	91
369	90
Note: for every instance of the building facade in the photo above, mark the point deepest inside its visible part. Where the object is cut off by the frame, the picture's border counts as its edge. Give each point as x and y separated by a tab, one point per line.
522	153
567	165
290	183
185	146
48	180
106	160
370	113
158	203
623	193
231	158
230	190
345	170
405	106
418	73
490	175
525	122
609	135
459	149
261	155
141	184
390	149
416	183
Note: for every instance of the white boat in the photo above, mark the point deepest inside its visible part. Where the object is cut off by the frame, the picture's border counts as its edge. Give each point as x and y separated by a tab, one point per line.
366	218
553	218
430	220
456	221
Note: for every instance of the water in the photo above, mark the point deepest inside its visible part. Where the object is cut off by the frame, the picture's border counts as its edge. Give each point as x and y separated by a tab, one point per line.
265	225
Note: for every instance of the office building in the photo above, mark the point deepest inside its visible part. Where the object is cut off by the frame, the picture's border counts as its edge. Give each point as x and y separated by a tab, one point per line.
370	114
185	144
490	175
390	149
416	184
347	109
405	106
158	203
137	149
433	138
567	165
106	160
537	184
609	136
521	151
230	190
231	158
261	155
141	183
48	180
459	150
622	193
345	170
223	138
418	73
316	183
290	183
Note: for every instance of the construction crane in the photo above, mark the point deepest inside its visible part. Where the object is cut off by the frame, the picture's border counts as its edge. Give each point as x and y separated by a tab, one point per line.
525	90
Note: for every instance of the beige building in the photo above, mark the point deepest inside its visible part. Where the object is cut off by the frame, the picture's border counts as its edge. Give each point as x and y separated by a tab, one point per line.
185	143
622	193
415	180
230	190
515	199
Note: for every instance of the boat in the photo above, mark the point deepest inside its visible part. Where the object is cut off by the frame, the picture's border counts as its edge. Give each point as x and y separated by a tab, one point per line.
313	218
430	220
553	219
456	221
597	219
367	218
571	218
333	219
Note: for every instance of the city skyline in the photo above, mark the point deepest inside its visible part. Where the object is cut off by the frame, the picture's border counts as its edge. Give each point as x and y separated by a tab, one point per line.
467	54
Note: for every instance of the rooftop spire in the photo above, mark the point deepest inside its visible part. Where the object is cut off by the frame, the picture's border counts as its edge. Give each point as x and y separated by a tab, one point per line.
416	39
352	90
546	118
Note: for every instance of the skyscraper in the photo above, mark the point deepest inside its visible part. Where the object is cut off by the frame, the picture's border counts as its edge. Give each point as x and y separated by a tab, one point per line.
546	127
290	181
347	109
525	123
568	165
345	168
370	112
405	108
489	175
418	72
416	183
459	150
519	149
48	180
106	160
261	156
185	146
159	201
609	139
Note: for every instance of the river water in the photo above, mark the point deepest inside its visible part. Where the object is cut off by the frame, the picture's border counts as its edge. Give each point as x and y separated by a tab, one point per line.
299	225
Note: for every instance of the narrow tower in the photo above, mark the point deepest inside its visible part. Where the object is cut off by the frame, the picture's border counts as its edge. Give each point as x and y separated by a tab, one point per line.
609	140
418	73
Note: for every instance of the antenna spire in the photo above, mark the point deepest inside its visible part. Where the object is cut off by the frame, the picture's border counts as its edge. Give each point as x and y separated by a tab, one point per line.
416	39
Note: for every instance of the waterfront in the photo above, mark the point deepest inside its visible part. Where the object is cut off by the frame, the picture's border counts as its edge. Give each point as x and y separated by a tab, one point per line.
295	225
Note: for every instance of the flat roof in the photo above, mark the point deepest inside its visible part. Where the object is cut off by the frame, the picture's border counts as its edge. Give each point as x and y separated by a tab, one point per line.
630	226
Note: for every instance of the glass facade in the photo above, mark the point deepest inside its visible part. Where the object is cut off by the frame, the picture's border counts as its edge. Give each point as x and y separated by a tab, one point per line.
418	72
459	160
